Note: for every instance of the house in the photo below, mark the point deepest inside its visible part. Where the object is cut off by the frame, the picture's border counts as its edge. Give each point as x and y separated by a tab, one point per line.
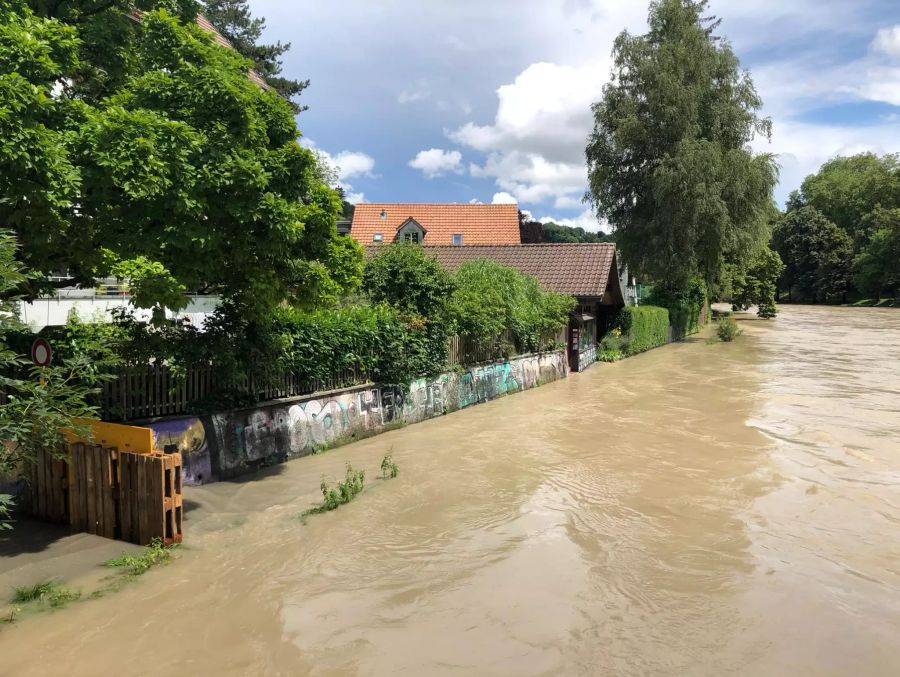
435	224
587	271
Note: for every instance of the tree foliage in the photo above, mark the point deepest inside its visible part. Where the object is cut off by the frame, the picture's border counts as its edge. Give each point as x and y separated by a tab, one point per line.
817	255
232	18
847	189
491	298
755	283
554	232
878	264
669	163
405	277
42	402
141	147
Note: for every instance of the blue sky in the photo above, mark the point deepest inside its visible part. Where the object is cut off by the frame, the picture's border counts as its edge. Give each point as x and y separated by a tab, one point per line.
488	100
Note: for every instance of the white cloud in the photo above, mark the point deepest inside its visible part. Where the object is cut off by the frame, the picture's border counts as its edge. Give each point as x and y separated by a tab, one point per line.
418	91
535	146
503	198
437	162
585	220
353	163
887	41
801	148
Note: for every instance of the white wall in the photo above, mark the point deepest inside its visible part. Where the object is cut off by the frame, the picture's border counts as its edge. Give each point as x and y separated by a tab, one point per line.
55	311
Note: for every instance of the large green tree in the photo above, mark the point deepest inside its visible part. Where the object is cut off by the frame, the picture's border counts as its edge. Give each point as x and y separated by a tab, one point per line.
878	264
818	256
232	18
669	161
133	144
847	189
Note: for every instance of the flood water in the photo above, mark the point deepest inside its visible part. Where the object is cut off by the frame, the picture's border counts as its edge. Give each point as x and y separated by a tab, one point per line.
696	510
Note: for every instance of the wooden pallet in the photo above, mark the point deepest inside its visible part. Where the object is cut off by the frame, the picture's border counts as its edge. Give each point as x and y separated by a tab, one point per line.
92	494
150	497
49	489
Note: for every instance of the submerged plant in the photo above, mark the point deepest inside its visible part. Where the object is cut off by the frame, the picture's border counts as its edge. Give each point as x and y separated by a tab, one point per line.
154	554
52	593
389	468
343	492
727	329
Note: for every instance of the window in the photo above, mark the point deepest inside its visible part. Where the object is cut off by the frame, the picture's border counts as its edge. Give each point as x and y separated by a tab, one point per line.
377	237
457	239
411	237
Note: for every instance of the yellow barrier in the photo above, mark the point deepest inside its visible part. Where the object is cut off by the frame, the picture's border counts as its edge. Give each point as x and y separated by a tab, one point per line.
123	437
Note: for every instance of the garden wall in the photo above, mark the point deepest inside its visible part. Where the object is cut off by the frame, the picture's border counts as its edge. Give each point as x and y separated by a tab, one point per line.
232	443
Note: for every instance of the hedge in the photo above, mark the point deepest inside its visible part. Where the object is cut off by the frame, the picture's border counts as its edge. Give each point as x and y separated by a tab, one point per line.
645	326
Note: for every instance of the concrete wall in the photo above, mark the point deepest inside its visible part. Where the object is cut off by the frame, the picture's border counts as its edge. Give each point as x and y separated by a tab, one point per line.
232	443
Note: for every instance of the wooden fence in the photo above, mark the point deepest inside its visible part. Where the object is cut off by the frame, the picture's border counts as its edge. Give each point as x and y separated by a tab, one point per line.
133	497
155	390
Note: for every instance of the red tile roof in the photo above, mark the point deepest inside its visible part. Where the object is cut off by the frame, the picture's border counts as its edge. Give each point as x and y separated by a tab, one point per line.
579	269
478	224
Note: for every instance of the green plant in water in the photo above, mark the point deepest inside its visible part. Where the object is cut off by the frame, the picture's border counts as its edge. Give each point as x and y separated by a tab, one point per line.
727	329
52	593
343	492
154	554
389	468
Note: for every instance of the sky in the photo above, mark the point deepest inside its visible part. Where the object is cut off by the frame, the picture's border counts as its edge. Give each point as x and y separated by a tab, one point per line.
489	100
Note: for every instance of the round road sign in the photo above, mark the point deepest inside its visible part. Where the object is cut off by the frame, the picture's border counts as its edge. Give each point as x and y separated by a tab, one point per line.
41	354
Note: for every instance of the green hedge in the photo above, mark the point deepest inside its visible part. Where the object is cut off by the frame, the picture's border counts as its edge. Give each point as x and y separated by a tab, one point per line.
684	305
645	326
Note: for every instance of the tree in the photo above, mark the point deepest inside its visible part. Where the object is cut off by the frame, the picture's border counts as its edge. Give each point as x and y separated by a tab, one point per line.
42	402
847	189
669	164
878	264
756	284
233	20
554	232
406	278
140	148
817	254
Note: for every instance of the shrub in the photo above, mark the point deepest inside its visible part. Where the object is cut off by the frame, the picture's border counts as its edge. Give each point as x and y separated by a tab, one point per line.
491	298
644	326
389	468
684	305
404	277
727	329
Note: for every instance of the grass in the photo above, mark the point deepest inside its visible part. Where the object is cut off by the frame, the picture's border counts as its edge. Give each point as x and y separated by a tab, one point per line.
136	565
389	469
340	494
49	592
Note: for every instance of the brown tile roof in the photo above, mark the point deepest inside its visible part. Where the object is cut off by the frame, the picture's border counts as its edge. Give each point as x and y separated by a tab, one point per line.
478	224
579	269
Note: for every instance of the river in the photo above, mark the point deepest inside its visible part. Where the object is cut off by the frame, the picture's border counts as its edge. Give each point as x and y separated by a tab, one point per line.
696	510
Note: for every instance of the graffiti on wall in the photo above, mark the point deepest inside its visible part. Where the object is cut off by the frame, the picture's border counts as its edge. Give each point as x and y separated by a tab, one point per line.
188	437
247	439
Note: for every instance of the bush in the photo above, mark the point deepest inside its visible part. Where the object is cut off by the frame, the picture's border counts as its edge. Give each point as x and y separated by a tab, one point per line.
491	298
645	327
727	329
404	277
684	305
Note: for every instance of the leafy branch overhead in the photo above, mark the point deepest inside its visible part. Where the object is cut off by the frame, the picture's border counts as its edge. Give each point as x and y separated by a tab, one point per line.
142	148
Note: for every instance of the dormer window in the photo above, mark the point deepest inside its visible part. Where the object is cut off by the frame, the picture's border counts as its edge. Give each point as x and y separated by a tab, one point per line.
410	231
457	239
377	237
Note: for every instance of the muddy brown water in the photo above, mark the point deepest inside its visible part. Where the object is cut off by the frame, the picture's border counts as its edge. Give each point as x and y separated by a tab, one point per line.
697	510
